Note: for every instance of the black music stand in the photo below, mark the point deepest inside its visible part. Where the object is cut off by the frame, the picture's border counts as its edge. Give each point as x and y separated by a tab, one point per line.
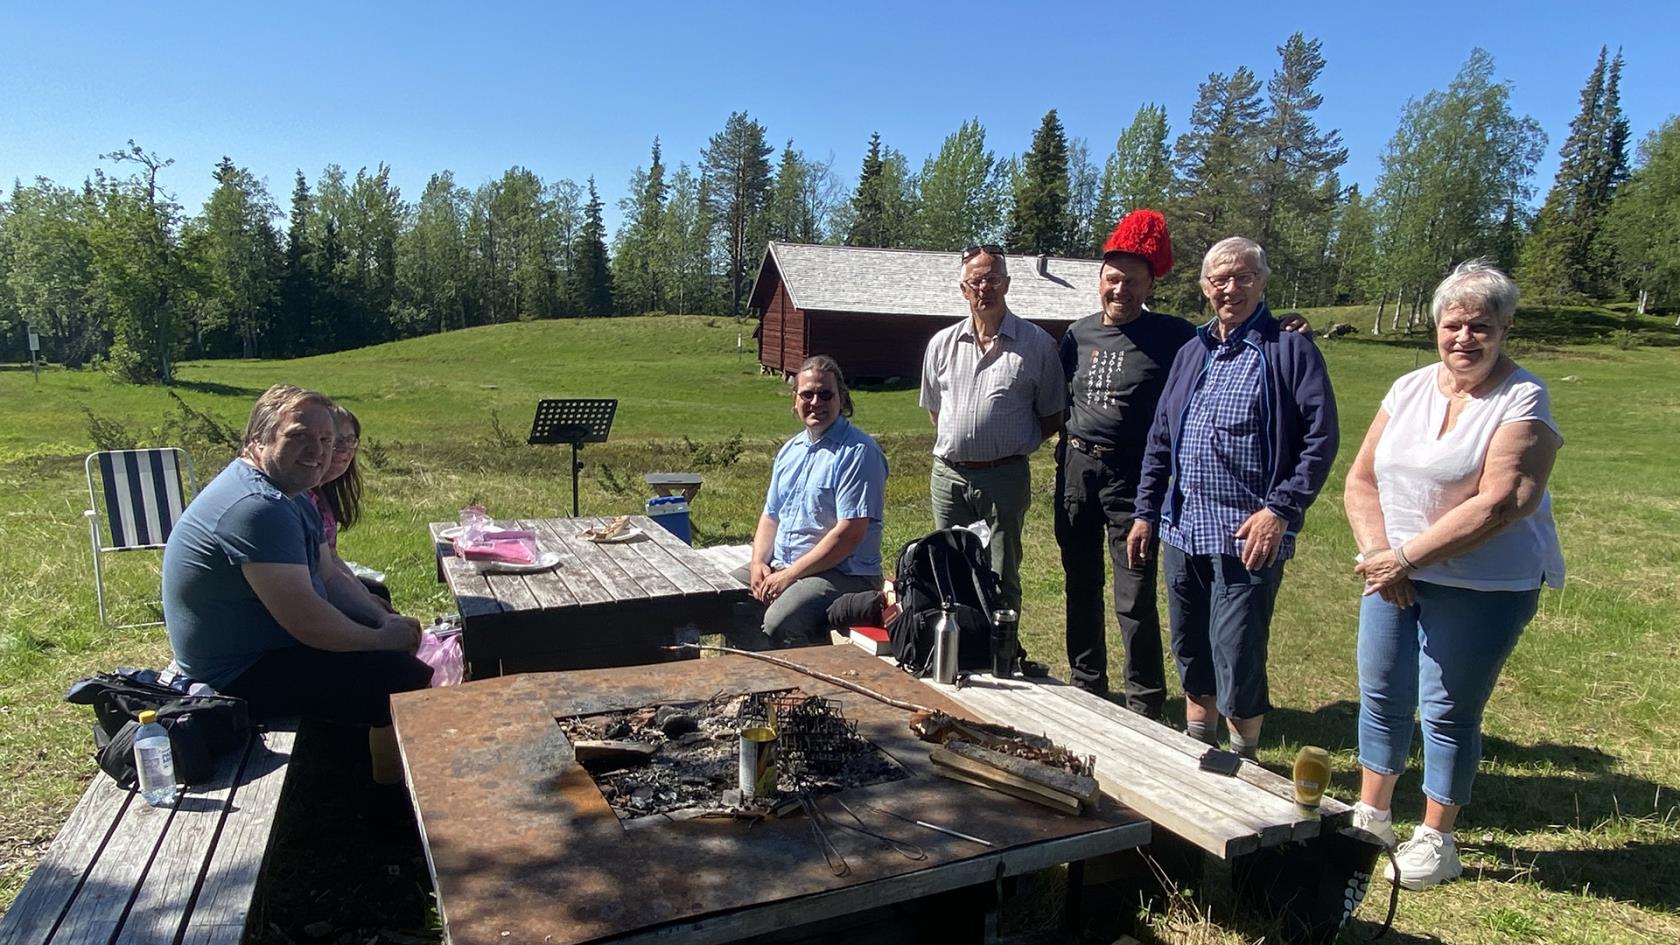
572	421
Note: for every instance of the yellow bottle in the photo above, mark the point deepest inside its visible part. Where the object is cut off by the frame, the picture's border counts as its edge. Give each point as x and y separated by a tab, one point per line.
1312	776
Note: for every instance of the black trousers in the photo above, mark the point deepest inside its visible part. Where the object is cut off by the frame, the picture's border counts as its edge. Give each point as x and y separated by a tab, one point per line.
1093	506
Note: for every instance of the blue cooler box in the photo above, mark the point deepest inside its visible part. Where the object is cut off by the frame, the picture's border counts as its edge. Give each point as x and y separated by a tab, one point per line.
671	512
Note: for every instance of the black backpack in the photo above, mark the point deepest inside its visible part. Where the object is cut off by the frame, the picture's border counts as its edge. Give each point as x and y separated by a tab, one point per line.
200	727
947	567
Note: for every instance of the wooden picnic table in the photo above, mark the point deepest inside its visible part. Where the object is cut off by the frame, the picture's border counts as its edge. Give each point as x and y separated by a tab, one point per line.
523	848
603	604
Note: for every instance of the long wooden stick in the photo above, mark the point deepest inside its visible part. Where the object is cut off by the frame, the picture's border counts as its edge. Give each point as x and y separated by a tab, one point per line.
806	670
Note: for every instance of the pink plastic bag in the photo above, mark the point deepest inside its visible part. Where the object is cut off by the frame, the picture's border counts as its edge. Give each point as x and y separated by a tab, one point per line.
442	652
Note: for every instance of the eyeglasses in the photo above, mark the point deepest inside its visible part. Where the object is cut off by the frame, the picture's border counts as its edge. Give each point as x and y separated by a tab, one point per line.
985	282
1241	280
346	446
990	249
825	395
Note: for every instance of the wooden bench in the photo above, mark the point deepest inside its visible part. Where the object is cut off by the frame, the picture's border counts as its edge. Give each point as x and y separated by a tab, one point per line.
728	557
123	873
1152	768
687	484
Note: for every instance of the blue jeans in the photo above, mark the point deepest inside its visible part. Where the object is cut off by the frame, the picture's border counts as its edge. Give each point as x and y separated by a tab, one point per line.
1221	618
1440	657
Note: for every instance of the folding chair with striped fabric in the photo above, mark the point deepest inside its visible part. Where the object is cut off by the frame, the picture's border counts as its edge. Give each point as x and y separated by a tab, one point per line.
142	494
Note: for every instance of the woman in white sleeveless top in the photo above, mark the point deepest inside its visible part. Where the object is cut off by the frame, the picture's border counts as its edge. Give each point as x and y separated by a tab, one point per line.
1448	503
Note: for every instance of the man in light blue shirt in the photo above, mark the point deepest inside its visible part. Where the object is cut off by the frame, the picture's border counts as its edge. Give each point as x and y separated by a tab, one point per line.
820	534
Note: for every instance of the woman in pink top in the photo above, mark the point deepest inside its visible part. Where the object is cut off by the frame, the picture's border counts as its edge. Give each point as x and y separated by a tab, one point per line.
1448	503
339	500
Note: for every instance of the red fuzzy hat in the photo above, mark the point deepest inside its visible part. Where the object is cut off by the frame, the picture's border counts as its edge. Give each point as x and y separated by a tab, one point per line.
1143	233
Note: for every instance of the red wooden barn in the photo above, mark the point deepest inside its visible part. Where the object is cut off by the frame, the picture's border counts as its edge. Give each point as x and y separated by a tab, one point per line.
873	310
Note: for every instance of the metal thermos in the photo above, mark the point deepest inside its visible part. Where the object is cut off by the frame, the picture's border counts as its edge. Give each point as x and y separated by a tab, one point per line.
1006	642
945	636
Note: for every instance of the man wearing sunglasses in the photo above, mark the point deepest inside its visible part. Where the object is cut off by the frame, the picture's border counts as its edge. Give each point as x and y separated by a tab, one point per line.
820	533
993	386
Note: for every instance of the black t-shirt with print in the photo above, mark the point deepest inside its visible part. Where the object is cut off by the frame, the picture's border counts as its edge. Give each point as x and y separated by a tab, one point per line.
1116	375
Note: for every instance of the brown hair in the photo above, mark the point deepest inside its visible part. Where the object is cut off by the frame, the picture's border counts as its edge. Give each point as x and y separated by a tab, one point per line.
823	364
344	494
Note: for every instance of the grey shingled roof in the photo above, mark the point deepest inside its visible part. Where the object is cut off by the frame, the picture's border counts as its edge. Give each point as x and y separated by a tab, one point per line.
920	282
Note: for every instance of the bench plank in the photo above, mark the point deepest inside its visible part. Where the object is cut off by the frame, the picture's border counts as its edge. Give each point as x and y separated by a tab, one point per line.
54	883
1152	768
230	879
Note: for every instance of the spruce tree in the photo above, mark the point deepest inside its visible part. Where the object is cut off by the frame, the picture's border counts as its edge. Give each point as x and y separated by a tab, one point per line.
1559	259
869	210
589	282
297	293
1038	223
635	282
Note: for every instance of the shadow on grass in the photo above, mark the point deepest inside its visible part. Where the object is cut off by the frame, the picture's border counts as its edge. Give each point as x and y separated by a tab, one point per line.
217	389
1535	788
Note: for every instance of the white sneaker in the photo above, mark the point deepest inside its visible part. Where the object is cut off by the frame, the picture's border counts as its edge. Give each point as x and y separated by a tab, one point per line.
1383	829
1425	860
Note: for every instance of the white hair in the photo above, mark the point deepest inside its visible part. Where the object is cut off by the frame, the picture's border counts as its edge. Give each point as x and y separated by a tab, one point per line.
1236	249
1477	285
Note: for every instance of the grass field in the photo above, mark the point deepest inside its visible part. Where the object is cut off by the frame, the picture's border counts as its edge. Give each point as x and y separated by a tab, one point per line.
1574	834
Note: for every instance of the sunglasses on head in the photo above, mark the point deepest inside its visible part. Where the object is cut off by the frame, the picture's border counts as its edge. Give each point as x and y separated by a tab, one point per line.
825	395
990	249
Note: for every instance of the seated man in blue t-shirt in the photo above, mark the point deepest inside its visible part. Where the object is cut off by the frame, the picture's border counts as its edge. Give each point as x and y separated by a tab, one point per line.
244	596
820	534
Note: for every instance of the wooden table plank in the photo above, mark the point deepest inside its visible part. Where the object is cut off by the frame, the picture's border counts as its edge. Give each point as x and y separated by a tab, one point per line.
605	572
627	555
686	556
224	897
582	586
55	882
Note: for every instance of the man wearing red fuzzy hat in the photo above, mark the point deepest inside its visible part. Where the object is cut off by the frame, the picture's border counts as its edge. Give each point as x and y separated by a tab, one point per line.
1116	362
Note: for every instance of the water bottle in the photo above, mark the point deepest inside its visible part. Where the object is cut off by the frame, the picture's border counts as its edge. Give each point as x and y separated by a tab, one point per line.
945	640
154	761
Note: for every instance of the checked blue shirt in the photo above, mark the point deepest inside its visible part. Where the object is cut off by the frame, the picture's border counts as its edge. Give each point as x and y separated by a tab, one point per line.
1223	462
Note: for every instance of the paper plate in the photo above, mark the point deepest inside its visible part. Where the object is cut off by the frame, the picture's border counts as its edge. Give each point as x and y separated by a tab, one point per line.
545	561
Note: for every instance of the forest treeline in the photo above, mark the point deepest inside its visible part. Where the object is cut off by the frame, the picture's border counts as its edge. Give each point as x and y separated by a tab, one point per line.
115	272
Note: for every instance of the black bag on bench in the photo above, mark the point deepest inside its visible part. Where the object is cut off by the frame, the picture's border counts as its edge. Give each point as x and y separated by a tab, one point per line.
200	727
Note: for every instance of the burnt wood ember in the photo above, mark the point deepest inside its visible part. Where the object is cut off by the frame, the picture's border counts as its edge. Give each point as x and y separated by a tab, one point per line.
643	769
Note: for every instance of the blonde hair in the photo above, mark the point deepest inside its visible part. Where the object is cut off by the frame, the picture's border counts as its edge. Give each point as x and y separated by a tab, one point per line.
275	403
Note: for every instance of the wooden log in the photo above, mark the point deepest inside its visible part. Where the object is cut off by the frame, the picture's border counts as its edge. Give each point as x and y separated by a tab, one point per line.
946	761
1082	787
1055	800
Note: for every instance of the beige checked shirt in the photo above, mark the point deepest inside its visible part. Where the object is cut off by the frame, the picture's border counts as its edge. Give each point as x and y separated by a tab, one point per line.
989	404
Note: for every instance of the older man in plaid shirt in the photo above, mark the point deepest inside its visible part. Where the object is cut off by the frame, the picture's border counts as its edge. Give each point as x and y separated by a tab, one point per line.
1242	441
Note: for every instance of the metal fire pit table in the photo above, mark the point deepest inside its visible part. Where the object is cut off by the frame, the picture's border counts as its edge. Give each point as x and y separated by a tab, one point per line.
523	848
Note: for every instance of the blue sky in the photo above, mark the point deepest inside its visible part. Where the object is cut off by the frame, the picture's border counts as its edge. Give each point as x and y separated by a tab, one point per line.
572	91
